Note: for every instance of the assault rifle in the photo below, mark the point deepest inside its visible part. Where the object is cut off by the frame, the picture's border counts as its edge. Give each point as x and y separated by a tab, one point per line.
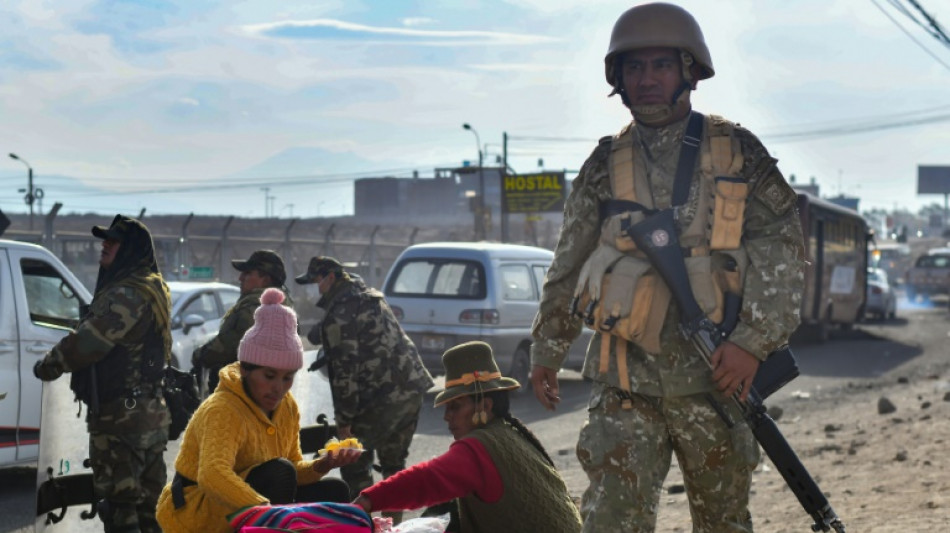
656	237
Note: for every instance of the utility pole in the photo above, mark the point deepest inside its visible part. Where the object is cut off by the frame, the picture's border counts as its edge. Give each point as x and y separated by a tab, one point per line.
480	204
267	199
504	176
30	196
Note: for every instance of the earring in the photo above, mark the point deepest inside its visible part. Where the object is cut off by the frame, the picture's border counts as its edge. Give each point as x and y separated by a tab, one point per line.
476	418
483	416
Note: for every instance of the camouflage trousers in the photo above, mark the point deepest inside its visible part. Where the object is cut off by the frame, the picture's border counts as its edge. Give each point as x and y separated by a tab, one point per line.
129	473
627	454
386	433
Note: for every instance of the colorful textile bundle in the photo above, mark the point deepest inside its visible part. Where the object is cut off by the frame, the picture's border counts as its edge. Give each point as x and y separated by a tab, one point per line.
296	517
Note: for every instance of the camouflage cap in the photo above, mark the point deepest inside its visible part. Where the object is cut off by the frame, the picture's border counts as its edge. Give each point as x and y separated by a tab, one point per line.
319	266
120	228
266	261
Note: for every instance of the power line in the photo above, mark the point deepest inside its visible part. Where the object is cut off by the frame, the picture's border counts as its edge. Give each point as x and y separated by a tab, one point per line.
935	29
233	184
896	23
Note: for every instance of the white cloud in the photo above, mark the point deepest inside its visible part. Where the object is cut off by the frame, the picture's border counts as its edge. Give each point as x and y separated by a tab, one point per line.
424	36
417	21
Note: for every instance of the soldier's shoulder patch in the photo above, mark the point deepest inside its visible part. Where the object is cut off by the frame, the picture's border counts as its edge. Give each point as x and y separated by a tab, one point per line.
776	194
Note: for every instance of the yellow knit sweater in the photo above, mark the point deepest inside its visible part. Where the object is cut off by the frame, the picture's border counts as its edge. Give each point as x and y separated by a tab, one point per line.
228	436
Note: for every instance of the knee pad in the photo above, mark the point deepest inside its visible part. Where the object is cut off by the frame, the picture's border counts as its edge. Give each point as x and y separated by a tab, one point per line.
275	480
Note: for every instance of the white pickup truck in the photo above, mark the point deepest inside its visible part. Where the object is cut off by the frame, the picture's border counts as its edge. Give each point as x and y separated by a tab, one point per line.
40	302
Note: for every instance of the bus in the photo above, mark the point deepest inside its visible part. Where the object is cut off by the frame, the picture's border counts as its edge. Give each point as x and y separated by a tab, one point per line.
836	251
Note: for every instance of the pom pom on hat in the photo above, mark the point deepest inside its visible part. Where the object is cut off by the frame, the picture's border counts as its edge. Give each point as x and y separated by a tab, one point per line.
272	341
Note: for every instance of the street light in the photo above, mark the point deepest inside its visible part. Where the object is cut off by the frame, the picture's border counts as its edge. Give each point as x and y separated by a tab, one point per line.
480	226
30	196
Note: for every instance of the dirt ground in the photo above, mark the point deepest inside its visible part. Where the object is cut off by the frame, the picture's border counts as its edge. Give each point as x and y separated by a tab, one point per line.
881	472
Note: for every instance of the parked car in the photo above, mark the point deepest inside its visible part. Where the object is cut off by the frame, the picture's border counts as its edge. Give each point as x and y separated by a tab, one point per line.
40	301
881	299
197	309
447	293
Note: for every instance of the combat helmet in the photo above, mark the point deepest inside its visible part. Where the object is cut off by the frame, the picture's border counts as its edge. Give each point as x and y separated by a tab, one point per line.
659	25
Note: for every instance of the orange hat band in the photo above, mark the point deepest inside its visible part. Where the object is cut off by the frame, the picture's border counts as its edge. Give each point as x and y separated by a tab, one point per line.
468	379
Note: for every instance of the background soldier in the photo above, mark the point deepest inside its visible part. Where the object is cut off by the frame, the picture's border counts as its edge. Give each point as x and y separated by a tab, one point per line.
262	270
117	357
653	394
376	376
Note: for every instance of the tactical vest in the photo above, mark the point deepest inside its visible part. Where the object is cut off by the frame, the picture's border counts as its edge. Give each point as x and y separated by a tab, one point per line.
120	375
618	293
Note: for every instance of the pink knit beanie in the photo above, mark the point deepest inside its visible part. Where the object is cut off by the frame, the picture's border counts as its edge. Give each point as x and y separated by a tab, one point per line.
272	341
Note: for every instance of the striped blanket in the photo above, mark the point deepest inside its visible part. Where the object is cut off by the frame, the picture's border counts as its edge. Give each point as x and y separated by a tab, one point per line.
302	517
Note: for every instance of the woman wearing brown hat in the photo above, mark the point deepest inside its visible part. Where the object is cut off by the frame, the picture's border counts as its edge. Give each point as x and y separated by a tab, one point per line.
503	478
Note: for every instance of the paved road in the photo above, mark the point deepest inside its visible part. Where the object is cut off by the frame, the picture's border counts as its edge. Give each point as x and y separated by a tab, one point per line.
911	345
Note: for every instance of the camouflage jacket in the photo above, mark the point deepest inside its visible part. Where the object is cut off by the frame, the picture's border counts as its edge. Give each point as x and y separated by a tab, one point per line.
222	349
371	359
772	237
118	330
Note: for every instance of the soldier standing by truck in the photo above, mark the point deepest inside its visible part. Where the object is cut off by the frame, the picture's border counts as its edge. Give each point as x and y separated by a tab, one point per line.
740	233
117	355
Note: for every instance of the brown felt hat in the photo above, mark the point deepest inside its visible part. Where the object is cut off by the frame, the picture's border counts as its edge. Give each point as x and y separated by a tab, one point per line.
471	369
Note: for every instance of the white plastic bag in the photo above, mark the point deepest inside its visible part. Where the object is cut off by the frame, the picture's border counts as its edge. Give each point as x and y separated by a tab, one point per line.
429	524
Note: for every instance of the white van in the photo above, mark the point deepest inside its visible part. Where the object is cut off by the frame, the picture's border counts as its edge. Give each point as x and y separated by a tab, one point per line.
40	303
447	293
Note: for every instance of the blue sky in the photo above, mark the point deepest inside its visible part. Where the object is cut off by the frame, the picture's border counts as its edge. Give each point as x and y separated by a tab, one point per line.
196	106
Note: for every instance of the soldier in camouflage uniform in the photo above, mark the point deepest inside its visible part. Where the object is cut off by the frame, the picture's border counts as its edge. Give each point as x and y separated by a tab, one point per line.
262	270
376	376
117	355
653	394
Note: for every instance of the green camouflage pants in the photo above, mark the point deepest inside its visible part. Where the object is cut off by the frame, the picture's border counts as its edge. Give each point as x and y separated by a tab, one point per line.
387	433
129	473
627	454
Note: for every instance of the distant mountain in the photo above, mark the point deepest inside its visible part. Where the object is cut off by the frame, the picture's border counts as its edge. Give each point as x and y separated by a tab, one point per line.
312	161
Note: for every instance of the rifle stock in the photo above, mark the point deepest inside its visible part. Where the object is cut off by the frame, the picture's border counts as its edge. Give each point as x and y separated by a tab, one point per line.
657	238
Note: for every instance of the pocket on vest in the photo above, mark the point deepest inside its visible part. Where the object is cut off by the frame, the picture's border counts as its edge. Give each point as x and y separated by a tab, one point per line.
729	212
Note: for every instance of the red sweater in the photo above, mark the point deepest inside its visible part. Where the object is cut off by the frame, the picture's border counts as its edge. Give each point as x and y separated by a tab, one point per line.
464	469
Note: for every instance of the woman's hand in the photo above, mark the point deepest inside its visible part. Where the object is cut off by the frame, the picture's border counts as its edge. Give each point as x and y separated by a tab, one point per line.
336	459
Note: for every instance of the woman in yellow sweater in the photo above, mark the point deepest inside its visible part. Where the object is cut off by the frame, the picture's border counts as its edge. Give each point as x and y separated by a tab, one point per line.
242	446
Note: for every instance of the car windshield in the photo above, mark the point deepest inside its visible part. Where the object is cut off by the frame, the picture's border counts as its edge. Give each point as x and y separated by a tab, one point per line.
874	275
446	278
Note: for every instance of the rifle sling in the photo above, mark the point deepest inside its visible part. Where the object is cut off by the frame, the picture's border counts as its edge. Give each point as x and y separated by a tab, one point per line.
692	138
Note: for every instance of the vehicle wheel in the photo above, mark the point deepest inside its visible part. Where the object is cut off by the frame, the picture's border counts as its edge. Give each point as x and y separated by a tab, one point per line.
521	368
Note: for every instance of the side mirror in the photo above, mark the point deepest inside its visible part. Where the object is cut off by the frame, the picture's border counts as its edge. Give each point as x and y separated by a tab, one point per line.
192	321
